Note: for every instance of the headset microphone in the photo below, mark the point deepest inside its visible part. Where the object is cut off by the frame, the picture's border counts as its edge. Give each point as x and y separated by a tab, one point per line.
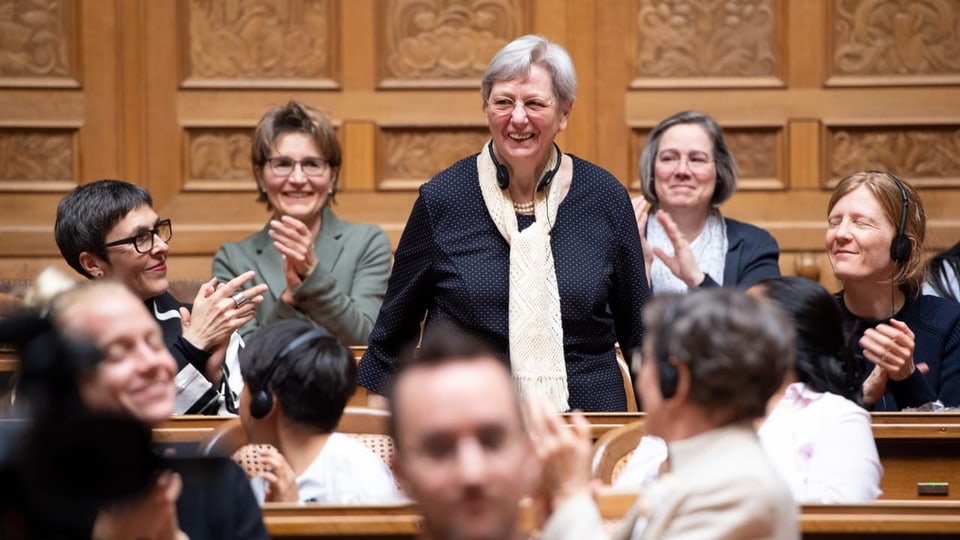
503	174
262	402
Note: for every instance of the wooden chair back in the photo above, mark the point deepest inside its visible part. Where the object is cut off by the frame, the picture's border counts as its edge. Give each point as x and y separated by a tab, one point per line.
613	449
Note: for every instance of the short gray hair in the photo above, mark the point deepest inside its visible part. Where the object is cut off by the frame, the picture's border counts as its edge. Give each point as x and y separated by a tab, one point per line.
514	61
726	166
737	348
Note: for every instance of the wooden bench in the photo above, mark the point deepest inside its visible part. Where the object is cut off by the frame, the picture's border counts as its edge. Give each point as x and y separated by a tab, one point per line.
883	520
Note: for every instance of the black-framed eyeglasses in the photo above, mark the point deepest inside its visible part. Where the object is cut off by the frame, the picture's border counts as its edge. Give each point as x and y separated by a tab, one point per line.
143	241
283	166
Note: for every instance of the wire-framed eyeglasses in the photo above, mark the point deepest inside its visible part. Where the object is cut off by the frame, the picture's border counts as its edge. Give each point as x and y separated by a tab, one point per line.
143	240
695	162
533	106
284	166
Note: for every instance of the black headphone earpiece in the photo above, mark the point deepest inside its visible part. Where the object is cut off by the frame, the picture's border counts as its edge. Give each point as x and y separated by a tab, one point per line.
666	371
503	174
900	247
262	401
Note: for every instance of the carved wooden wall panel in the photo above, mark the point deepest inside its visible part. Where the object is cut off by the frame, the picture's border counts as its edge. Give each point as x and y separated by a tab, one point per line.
412	156
37	43
445	43
926	156
219	158
708	42
894	42
37	159
264	43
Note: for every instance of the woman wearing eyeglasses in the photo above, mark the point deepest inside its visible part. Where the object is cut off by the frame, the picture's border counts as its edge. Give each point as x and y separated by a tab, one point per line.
108	229
316	265
686	173
530	249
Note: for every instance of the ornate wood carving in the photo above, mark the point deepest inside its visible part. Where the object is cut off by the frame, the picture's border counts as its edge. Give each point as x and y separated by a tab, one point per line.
446	42
260	43
902	39
714	39
36	43
413	156
36	155
219	154
757	151
924	155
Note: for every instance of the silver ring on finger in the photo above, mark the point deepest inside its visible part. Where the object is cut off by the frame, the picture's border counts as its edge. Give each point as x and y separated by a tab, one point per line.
239	299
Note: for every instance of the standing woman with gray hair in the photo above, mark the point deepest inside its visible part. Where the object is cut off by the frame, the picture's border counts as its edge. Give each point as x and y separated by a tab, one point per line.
532	250
686	173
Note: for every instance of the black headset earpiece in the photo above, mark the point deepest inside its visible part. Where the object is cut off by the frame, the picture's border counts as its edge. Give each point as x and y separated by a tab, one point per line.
503	175
262	401
666	371
900	247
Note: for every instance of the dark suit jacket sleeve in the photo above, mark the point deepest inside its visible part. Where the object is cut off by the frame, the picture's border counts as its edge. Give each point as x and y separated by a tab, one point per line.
408	292
216	501
752	256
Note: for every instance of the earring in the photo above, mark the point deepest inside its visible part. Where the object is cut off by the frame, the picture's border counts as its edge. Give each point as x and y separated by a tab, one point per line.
329	191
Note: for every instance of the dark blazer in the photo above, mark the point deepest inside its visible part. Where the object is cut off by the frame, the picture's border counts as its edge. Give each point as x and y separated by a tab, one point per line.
344	292
752	255
452	266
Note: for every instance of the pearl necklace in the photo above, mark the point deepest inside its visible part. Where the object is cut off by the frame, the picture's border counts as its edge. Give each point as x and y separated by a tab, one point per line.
524	209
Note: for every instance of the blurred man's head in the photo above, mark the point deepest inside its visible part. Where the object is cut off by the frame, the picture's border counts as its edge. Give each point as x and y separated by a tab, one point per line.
461	448
136	372
711	357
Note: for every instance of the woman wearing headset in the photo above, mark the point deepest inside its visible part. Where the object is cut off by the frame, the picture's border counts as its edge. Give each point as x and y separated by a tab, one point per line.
908	343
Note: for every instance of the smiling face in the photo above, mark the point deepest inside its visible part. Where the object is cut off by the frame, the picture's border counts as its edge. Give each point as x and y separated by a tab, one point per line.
296	194
858	238
462	451
145	274
136	371
523	138
684	169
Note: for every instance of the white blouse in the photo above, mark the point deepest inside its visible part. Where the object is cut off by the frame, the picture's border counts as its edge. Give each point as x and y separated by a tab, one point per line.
821	443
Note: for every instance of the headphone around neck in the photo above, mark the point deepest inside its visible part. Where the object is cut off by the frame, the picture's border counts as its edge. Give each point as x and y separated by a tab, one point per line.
503	174
262	402
900	247
666	371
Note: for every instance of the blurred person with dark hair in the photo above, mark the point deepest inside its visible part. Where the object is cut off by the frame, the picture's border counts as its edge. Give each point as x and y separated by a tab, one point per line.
815	432
711	360
317	266
108	229
297	381
907	343
132	378
943	270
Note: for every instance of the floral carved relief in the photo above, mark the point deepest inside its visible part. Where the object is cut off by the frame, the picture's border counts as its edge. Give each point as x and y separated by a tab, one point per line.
896	37
446	39
219	154
420	154
706	38
34	39
913	152
36	155
755	150
259	39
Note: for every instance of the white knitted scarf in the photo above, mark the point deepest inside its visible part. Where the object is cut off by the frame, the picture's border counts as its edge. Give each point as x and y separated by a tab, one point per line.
709	250
535	325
